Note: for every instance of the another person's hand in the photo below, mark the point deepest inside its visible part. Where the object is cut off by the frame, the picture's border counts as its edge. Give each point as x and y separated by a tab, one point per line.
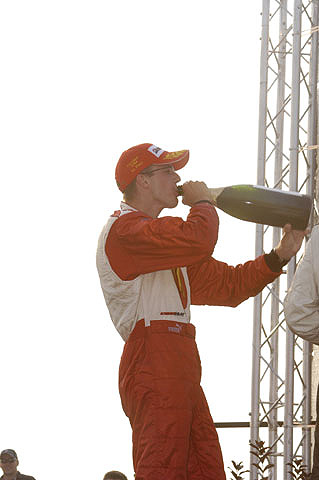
290	242
194	192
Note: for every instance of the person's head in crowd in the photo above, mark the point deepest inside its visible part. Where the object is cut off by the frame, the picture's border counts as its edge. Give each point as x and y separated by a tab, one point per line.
9	462
114	475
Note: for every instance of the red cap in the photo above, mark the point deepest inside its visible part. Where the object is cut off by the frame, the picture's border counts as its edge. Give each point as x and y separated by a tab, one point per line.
137	158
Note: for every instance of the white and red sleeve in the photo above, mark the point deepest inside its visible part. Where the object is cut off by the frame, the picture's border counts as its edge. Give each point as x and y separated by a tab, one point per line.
138	244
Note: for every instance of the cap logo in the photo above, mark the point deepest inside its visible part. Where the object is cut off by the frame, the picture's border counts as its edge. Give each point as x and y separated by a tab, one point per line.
155	150
173	155
134	164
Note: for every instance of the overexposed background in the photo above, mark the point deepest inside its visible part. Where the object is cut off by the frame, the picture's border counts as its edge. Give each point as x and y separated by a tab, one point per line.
80	82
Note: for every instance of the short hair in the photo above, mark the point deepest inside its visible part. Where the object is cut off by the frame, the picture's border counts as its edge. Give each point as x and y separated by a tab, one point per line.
130	190
114	475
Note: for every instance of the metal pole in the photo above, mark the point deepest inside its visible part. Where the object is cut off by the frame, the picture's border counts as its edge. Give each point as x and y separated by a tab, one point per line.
274	341
293	185
263	94
313	101
255	387
311	157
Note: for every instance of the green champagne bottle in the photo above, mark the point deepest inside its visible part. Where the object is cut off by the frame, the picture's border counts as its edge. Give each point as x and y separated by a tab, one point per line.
268	206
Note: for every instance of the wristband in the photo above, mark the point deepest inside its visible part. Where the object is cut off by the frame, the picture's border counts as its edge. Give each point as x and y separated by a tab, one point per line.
274	262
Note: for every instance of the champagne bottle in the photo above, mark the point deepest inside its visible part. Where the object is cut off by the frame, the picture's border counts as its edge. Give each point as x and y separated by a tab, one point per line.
268	206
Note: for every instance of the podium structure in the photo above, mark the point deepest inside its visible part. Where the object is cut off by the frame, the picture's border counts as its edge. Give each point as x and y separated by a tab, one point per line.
287	159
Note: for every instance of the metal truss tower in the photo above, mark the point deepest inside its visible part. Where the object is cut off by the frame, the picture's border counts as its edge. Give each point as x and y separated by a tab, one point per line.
287	150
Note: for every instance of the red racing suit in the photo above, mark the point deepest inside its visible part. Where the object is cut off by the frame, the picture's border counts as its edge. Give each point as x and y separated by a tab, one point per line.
151	271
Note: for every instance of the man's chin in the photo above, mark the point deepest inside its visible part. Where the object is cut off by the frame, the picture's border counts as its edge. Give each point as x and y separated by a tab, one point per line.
170	203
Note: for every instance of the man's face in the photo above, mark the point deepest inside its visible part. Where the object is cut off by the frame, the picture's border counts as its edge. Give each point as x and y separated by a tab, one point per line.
8	464
163	184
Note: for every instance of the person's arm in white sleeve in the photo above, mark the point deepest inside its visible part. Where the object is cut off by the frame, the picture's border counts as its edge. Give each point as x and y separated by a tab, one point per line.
301	304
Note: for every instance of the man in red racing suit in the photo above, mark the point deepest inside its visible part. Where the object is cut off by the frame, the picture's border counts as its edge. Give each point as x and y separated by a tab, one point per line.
151	270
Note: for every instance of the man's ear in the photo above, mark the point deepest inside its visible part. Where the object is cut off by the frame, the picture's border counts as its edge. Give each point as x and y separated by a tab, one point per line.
142	181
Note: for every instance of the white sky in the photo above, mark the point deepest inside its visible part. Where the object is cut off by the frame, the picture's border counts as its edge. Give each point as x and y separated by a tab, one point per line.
80	82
